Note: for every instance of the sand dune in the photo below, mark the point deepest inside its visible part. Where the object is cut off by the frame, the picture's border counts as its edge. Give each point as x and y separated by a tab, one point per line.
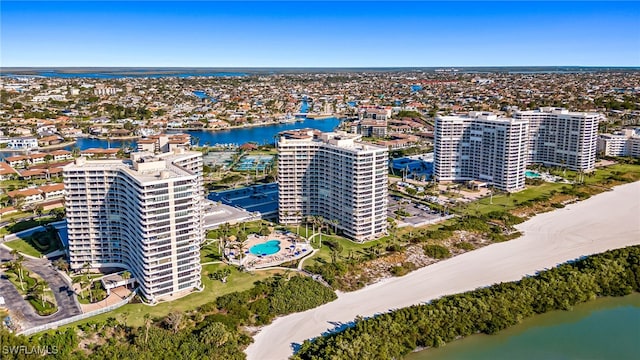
606	221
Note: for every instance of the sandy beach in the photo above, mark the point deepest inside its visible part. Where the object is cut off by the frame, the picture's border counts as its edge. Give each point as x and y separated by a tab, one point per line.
606	221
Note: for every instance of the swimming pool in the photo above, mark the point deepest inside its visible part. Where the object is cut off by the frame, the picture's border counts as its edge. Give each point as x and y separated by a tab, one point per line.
531	174
267	248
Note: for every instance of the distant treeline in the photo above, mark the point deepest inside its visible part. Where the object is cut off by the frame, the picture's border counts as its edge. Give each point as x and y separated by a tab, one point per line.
485	310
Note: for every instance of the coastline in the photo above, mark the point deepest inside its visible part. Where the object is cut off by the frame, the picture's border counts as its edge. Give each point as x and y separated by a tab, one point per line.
40	148
605	221
250	125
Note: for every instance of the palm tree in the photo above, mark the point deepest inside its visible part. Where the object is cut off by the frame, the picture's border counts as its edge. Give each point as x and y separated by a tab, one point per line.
319	220
392	229
298	215
38	290
242	242
86	281
307	221
147	325
126	275
224	229
335	223
18	264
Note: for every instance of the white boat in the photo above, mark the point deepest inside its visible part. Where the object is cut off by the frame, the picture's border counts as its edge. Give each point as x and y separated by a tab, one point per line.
287	119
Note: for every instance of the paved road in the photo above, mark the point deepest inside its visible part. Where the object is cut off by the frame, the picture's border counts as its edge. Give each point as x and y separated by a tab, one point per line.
67	305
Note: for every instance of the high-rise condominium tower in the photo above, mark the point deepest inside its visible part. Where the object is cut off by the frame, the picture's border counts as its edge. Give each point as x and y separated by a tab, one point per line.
142	214
334	176
558	137
483	147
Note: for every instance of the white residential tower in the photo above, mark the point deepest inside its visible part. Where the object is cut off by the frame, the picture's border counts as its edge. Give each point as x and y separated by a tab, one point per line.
142	214
335	176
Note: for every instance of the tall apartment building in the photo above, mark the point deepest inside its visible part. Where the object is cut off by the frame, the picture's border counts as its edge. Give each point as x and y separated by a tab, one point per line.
558	137
335	176
142	214
623	143
483	147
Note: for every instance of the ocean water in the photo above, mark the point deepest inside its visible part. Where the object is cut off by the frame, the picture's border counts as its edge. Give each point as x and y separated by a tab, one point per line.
131	73
607	328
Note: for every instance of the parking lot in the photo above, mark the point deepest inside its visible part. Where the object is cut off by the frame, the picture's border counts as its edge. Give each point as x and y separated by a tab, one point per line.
262	198
418	214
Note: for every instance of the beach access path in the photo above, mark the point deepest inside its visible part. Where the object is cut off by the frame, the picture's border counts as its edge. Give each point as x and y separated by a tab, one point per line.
606	221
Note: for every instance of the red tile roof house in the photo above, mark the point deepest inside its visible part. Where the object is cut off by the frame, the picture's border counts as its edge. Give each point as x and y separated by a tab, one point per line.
52	191
7	172
30	196
16	161
60	155
42	193
32	174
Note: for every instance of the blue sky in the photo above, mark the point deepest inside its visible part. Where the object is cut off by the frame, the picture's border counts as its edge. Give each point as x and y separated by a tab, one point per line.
318	34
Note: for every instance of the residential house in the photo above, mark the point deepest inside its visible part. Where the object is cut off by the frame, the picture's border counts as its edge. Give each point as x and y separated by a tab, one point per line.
6	171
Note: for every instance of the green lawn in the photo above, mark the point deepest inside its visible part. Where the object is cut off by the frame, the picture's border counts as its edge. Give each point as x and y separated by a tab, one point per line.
134	314
23	247
598	178
349	248
37	244
508	202
27	281
630	171
28	224
20	184
210	252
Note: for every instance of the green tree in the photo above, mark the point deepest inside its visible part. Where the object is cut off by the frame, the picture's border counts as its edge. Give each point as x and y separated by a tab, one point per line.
38	290
215	334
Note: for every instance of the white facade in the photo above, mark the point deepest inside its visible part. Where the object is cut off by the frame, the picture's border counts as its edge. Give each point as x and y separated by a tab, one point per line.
23	143
105	91
142	214
558	137
335	176
481	147
623	143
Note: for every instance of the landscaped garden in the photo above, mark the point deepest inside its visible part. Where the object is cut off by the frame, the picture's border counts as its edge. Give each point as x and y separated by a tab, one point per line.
31	286
37	244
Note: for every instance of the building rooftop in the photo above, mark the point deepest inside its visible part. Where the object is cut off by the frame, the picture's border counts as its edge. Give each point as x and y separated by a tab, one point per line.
339	139
142	166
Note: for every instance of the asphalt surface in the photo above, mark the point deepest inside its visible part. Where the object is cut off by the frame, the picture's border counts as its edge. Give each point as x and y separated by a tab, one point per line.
65	297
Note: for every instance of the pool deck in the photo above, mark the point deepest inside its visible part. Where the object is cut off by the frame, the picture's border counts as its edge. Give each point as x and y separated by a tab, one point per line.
292	247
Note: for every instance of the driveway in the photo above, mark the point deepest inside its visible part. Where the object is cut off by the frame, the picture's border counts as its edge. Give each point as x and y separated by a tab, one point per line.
65	298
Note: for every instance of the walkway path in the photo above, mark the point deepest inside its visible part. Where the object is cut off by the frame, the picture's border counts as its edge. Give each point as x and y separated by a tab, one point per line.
67	305
606	221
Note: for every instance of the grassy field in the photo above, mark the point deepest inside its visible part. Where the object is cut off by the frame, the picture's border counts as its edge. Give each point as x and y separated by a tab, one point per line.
210	252
509	201
598	179
28	224
348	248
37	244
133	314
23	247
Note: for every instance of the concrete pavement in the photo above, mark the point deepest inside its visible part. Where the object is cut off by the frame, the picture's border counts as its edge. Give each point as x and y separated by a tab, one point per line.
65	298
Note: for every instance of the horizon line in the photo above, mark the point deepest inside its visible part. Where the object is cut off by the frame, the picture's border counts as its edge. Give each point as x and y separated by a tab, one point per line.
314	67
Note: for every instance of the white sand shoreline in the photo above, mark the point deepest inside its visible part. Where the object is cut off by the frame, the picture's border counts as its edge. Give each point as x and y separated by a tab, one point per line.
606	221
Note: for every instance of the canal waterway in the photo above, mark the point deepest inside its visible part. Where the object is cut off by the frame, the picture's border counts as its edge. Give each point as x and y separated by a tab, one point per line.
259	134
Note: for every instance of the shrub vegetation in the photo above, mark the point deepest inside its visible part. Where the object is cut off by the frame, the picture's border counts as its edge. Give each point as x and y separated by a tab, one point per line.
486	310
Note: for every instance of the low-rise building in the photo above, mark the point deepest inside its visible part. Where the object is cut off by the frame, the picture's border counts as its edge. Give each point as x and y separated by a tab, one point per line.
22	143
25	196
7	172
